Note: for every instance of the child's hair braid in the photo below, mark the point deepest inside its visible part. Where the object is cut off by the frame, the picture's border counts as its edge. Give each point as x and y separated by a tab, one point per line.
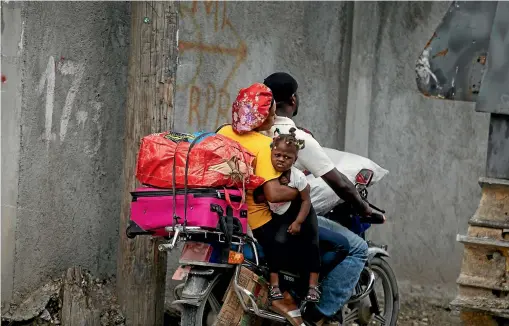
289	139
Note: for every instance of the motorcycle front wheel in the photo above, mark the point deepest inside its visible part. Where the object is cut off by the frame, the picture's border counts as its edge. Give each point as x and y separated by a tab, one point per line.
388	295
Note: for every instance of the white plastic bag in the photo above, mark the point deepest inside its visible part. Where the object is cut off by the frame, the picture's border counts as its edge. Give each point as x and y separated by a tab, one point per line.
323	198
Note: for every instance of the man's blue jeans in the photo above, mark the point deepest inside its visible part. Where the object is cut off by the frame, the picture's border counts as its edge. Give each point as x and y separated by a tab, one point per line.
339	284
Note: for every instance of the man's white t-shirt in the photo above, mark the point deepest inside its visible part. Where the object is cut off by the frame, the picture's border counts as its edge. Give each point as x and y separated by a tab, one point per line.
297	180
312	158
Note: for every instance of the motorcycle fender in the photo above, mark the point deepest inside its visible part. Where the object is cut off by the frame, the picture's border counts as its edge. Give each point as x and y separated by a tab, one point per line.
197	286
374	252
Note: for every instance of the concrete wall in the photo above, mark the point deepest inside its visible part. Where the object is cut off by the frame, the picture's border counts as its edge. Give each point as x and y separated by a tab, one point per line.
357	91
435	150
225	46
62	121
12	45
71	89
62	130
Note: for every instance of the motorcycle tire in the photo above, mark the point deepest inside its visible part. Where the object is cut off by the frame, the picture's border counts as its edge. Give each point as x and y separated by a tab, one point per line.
189	316
203	315
391	293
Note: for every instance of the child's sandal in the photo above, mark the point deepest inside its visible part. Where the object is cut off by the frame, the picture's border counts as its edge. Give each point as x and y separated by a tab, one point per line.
313	294
275	293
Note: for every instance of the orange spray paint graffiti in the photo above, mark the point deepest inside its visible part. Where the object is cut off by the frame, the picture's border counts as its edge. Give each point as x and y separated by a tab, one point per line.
212	64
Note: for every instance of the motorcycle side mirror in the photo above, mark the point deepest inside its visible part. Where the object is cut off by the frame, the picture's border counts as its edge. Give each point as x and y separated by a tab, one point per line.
364	177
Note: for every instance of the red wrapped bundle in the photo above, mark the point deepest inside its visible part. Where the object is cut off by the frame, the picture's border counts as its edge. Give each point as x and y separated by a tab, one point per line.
214	161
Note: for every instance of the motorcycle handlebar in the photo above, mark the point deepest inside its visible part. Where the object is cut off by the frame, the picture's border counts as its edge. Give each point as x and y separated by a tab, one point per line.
374	218
375	208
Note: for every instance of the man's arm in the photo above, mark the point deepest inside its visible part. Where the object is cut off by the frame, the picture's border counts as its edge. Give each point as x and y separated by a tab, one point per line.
314	159
277	193
346	190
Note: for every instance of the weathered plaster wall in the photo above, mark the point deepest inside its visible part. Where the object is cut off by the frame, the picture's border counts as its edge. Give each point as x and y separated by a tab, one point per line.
63	104
12	46
64	118
435	150
225	46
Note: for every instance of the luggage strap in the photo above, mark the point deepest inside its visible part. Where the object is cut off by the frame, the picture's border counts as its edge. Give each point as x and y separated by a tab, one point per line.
243	190
225	222
243	194
185	175
175	218
222	126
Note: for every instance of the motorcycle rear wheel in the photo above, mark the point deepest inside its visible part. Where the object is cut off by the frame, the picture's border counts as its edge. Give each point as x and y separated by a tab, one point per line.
206	313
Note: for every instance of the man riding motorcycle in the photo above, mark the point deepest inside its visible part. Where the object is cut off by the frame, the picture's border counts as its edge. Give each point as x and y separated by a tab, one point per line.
338	286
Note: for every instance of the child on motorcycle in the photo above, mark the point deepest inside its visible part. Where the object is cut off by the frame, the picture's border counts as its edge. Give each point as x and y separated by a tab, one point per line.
285	148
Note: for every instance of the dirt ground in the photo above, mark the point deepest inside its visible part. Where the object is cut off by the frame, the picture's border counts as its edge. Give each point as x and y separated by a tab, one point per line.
416	309
414	312
424	311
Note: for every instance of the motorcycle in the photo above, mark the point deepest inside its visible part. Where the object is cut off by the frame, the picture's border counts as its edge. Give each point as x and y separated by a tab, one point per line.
207	276
364	306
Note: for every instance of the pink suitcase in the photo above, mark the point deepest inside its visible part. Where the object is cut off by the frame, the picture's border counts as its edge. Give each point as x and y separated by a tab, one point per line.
152	208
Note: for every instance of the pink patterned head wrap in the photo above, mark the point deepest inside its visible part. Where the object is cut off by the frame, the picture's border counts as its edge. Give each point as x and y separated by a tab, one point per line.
251	108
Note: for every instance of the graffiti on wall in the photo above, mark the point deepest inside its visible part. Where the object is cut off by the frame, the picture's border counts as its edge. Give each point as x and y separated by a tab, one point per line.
214	52
75	71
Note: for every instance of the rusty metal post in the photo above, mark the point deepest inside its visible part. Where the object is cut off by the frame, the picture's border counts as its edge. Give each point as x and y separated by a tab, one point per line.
467	59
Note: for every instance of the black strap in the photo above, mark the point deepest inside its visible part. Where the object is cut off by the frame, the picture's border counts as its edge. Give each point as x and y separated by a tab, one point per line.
221	127
227	229
175	218
224	225
229	223
186	170
226	222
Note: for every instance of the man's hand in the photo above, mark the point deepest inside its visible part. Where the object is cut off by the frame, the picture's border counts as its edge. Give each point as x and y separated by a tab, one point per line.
345	189
294	228
284	180
368	211
259	196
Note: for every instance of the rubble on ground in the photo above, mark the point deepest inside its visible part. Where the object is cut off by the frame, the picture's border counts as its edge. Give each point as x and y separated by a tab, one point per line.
39	307
76	295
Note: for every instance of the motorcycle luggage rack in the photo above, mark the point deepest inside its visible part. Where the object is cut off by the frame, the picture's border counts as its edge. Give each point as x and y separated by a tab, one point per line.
201	263
179	231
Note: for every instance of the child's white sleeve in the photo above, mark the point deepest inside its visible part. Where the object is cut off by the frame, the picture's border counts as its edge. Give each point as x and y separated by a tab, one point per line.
298	179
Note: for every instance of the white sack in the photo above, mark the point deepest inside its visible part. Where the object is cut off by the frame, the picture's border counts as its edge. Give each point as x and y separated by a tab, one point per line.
323	197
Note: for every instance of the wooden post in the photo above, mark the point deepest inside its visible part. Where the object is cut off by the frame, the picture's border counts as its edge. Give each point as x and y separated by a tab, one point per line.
141	268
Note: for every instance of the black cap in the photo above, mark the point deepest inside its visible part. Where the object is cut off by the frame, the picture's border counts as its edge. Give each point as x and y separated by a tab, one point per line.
282	85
